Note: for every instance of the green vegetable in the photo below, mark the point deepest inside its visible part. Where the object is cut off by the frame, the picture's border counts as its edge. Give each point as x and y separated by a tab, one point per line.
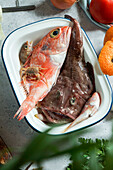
86	154
96	154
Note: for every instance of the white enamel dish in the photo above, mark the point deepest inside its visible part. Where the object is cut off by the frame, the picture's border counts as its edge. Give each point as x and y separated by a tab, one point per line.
35	31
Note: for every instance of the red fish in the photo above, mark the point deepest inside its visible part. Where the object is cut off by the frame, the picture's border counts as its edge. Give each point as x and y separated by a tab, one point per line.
42	67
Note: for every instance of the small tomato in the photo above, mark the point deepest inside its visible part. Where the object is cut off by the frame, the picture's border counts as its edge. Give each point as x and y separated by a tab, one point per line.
102	11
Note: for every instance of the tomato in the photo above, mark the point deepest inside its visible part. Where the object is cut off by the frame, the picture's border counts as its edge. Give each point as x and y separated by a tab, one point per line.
63	4
102	10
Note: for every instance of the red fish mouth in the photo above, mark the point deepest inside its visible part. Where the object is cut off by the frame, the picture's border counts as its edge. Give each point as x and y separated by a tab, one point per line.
66	33
65	39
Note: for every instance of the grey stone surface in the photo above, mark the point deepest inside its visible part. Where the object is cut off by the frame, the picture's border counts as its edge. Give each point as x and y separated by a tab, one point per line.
16	134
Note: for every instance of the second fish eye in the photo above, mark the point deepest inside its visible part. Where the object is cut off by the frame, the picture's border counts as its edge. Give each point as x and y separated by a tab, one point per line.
25	46
72	101
54	33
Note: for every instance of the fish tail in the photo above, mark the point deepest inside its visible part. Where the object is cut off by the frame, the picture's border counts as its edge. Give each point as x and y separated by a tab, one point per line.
37	93
24	109
27	105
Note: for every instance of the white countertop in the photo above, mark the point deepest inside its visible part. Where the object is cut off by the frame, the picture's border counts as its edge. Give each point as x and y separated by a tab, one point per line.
16	134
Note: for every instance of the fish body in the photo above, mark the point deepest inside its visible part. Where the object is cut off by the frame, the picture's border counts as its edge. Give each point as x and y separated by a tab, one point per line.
42	67
74	86
25	51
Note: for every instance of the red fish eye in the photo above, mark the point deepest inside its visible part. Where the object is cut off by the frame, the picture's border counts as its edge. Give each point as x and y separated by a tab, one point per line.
55	33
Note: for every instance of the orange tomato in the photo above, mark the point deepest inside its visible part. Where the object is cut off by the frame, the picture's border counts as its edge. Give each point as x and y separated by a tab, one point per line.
63	4
108	35
106	58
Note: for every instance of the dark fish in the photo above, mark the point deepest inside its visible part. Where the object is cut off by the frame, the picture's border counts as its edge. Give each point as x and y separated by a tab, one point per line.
74	86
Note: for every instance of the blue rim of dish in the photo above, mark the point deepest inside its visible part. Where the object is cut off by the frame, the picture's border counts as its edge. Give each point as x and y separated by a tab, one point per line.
14	89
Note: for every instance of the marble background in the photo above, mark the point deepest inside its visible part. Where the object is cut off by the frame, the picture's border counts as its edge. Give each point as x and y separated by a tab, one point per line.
16	134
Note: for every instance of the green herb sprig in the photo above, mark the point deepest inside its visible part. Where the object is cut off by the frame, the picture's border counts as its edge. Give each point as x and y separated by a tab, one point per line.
86	154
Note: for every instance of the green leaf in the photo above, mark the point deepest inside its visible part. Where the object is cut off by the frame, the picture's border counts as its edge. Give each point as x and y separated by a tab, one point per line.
85	154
